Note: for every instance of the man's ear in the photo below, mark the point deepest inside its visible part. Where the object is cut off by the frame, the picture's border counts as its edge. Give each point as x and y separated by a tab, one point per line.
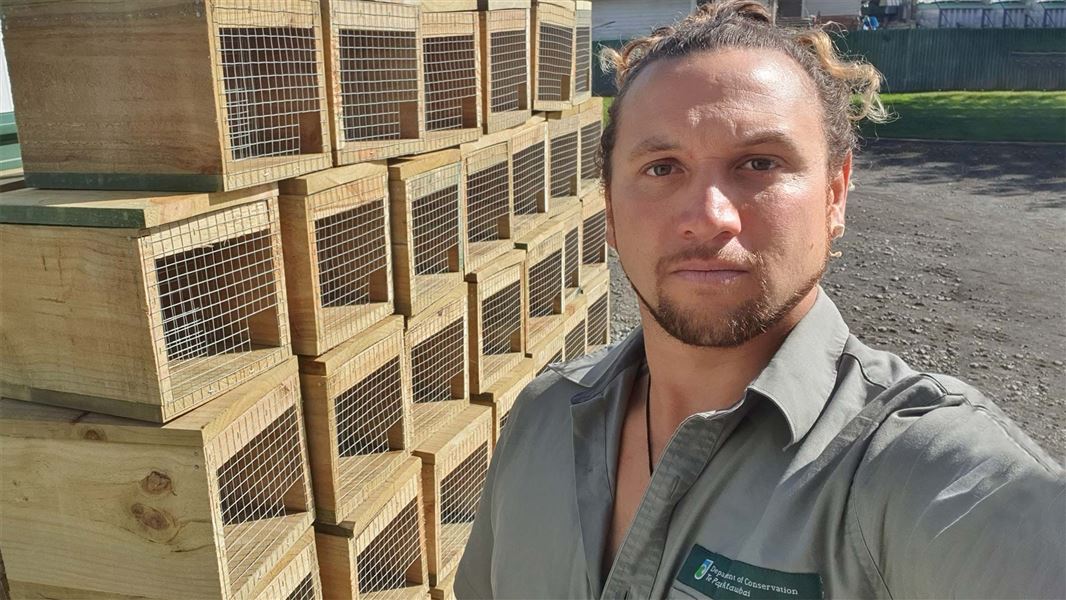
610	216
838	194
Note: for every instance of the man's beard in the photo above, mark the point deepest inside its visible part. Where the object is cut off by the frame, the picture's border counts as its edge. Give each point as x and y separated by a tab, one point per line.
742	324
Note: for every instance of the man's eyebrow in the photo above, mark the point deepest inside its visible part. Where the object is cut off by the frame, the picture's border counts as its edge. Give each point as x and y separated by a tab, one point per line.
652	145
767	136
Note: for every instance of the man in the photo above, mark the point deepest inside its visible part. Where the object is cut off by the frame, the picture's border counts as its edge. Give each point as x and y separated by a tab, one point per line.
742	444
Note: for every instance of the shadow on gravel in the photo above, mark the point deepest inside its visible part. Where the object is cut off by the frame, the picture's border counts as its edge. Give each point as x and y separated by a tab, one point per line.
1004	170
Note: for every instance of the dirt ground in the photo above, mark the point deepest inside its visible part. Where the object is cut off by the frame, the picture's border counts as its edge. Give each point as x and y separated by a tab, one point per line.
955	259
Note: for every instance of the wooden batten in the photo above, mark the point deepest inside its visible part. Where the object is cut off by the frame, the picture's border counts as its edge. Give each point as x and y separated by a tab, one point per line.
427	203
297	576
141	323
357	402
504	4
597	289
497	305
381	549
451	76
564	159
575	340
505	50
374	71
338	259
503	395
544	282
455	461
529	168
550	348
436	342
488	206
204	108
554	40
444	590
210	504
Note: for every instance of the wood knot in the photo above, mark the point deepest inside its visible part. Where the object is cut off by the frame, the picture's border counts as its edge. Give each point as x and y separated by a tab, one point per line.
93	435
150	517
156	483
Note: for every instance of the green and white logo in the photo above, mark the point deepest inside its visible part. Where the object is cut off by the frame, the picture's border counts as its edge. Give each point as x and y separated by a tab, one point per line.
702	570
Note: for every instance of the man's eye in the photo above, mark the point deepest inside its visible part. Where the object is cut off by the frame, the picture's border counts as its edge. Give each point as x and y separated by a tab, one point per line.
761	164
660	170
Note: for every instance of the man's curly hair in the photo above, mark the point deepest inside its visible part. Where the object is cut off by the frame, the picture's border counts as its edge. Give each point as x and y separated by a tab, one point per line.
724	24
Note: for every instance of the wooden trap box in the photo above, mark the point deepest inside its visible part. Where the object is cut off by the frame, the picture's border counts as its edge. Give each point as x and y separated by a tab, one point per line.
164	95
529	173
590	121
436	340
575	342
544	283
593	235
374	72
497	313
208	504
357	402
505	65
380	551
564	158
455	461
501	397
553	26
142	305
569	222
582	50
451	77
488	208
426	198
338	264
597	291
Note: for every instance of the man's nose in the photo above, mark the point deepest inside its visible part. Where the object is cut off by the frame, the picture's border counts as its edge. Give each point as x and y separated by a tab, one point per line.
710	213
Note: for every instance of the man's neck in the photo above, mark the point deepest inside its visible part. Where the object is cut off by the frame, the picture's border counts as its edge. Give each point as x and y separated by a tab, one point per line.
688	379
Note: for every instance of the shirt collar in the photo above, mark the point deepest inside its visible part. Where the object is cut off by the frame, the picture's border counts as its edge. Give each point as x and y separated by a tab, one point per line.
798	380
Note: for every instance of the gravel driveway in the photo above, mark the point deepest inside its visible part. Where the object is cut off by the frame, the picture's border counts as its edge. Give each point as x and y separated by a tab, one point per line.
955	259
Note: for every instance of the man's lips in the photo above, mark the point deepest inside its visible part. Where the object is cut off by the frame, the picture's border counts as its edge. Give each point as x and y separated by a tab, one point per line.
708	275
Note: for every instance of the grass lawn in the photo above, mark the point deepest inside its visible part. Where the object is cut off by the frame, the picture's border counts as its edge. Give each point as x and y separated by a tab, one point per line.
974	116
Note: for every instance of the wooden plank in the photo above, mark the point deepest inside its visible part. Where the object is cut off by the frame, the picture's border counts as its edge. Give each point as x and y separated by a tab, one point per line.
296	574
502	397
112	209
407	167
449	5
321	181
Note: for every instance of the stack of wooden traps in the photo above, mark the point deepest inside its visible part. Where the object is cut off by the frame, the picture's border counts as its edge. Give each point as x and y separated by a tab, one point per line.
279	275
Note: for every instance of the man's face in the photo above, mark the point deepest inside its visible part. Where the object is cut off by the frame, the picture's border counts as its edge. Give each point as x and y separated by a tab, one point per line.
720	203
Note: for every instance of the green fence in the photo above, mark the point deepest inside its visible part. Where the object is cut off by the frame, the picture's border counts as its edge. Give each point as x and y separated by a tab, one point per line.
922	60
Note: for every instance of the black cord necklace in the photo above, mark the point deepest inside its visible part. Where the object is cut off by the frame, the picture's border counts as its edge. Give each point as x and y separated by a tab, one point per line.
647	424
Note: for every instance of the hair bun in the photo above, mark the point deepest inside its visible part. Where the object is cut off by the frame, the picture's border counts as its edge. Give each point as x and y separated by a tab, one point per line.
721	10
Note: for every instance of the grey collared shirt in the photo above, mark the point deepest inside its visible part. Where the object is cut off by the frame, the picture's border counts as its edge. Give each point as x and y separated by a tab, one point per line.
841	473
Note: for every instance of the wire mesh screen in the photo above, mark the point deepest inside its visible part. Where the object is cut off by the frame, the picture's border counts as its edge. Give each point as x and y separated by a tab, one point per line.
305	590
545	289
216	280
383	565
557	357
590	142
574	343
435	227
555	58
486	203
272	92
583	59
460	491
350	248
598	332
528	168
450	66
508	70
594	239
501	320
436	363
563	165
503	420
252	487
378	73
366	411
572	258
